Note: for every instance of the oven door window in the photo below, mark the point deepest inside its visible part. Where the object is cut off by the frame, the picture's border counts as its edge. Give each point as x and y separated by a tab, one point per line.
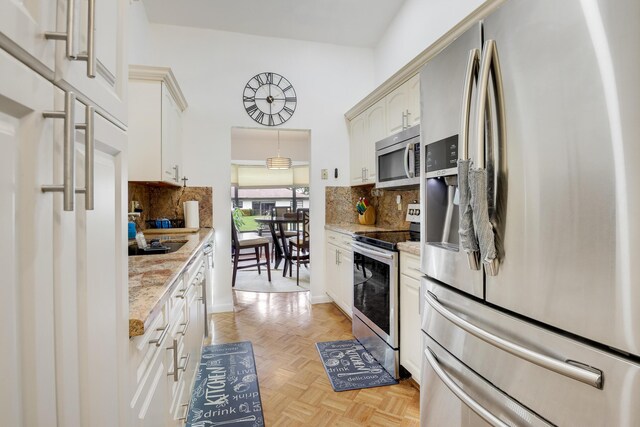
391	166
371	287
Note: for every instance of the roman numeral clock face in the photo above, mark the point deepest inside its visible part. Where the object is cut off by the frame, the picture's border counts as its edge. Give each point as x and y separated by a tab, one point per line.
269	99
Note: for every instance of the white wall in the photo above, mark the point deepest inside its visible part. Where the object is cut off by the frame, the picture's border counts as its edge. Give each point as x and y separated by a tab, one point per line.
212	68
416	26
140	44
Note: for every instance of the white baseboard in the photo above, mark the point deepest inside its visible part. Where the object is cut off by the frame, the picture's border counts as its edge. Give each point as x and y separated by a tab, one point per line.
320	299
221	308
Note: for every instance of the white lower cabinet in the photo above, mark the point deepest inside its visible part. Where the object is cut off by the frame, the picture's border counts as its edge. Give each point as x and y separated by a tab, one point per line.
410	333
339	270
163	361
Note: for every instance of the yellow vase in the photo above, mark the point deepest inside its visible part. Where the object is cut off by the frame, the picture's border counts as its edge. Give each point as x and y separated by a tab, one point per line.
368	217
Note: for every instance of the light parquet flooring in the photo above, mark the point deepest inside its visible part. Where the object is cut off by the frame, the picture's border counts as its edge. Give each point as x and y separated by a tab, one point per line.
295	390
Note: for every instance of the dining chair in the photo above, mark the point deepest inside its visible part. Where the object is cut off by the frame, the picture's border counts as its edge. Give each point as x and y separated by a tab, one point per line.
299	245
257	244
287	233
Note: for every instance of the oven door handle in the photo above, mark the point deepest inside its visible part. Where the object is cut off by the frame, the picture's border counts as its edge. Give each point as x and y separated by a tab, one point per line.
370	252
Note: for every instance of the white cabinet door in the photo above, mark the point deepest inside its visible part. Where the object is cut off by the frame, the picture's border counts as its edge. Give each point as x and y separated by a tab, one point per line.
345	280
366	129
153	409
90	275
358	136
410	333
27	389
171	138
24	23
396	108
376	130
331	272
109	87
413	106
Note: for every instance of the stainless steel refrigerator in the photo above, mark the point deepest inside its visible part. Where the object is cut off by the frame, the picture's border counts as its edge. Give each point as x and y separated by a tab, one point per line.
532	309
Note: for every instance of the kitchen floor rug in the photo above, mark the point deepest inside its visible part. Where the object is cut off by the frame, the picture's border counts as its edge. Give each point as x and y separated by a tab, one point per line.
350	367
250	281
226	390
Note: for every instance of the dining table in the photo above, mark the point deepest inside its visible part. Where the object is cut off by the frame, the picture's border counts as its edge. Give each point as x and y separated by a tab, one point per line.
280	244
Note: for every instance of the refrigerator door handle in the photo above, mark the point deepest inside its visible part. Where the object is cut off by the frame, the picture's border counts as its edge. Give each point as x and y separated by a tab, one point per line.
570	369
468	239
490	64
460	393
470	77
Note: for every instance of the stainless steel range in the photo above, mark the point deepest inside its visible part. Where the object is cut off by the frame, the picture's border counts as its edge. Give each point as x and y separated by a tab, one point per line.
375	295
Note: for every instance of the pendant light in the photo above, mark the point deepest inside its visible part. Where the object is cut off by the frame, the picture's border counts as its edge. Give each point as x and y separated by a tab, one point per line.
278	162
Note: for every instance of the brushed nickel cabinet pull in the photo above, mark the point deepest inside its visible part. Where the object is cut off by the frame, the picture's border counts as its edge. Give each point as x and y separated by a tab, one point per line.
69	177
89	158
174	373
158	341
67	36
90	56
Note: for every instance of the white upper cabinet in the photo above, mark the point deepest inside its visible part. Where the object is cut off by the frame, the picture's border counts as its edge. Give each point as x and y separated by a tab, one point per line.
376	124
403	106
155	125
413	105
395	112
396	105
98	50
171	137
357	138
24	23
366	129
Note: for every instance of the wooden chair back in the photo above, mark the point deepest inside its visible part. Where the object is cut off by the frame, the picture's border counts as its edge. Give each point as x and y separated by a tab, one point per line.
303	224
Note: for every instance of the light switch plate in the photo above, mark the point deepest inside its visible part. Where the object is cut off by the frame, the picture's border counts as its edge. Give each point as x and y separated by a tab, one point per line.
325	174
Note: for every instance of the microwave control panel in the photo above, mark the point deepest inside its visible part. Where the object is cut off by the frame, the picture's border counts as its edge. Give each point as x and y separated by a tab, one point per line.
441	157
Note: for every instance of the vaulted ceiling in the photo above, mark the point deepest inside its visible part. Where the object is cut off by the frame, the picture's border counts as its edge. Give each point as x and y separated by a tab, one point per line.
358	23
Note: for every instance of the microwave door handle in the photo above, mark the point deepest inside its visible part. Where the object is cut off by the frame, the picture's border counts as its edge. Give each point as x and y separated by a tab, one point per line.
406	160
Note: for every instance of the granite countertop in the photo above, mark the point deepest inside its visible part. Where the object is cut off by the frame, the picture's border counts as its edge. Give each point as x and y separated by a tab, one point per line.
356	228
152	277
410	247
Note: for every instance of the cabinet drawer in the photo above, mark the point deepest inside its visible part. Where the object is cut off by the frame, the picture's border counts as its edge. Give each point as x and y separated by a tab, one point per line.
178	295
144	348
339	239
195	268
410	265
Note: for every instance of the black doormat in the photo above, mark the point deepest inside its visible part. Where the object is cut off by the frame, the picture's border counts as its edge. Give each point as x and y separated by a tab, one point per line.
350	367
226	390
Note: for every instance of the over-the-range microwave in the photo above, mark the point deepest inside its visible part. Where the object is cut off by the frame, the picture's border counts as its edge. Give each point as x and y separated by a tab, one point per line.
398	159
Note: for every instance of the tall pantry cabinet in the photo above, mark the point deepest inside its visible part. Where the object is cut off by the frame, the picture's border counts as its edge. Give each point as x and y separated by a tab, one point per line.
64	296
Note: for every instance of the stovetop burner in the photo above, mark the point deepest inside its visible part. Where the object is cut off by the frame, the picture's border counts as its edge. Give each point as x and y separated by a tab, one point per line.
384	239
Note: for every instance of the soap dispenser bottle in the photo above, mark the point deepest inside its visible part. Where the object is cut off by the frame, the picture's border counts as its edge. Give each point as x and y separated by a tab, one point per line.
131	230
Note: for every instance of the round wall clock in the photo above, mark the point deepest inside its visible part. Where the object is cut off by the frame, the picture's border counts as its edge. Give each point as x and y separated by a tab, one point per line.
269	99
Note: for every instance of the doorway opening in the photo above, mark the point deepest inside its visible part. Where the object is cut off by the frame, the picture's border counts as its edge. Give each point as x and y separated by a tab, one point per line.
269	203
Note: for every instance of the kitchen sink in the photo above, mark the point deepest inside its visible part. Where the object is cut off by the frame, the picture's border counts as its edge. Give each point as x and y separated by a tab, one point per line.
156	247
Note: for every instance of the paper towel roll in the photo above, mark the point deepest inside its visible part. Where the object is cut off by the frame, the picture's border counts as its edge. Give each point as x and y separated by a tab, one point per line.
191	214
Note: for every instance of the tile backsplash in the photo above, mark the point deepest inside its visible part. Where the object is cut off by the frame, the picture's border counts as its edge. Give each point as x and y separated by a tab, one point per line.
341	202
166	202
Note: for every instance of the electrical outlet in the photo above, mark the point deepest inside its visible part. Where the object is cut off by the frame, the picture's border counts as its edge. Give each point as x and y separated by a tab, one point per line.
325	174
